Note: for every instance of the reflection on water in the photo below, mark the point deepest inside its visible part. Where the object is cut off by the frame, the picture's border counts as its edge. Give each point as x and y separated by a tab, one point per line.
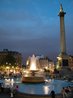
43	88
46	89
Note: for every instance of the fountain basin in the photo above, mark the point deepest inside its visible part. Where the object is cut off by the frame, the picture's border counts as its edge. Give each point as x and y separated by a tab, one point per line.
33	76
24	95
43	89
33	79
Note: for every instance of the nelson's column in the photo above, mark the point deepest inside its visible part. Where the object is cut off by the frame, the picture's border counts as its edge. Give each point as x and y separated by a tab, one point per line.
63	57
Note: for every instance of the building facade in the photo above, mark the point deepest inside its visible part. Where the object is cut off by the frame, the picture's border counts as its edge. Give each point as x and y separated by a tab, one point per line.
10	57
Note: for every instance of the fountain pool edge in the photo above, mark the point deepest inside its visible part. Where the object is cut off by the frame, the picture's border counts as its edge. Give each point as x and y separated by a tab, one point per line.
24	95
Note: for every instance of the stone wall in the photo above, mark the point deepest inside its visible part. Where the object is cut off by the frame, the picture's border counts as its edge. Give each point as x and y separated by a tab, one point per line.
23	95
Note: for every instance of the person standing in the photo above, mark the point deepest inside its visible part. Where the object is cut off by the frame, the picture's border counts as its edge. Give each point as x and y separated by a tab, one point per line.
52	94
11	91
11	95
64	94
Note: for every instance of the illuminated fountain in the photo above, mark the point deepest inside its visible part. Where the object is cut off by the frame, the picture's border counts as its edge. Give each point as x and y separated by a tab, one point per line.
34	74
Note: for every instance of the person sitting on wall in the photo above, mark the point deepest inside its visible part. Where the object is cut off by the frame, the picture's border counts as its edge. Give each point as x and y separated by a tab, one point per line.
65	92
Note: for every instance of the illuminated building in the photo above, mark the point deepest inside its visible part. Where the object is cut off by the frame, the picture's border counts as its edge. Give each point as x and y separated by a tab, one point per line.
16	55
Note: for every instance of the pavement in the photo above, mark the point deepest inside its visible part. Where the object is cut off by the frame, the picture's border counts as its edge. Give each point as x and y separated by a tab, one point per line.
6	95
3	95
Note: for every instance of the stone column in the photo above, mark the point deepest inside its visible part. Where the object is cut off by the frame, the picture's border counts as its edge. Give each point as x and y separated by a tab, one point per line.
62	31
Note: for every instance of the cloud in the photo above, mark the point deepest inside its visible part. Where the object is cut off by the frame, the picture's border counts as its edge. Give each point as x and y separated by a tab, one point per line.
32	26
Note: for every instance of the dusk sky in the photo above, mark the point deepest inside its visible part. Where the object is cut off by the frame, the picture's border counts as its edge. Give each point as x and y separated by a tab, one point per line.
33	27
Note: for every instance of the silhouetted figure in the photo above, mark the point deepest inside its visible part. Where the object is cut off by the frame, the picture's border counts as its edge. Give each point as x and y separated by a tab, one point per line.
16	87
2	88
11	95
64	92
52	94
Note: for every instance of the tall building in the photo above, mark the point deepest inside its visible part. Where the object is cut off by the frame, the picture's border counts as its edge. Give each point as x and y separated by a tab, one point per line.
63	57
10	57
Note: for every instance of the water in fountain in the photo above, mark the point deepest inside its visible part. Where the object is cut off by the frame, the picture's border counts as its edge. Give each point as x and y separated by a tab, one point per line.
33	65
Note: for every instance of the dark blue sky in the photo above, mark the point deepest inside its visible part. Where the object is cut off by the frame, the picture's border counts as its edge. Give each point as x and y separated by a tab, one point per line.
32	26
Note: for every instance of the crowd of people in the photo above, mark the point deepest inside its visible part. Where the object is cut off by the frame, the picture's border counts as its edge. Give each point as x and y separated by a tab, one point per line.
67	92
11	90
